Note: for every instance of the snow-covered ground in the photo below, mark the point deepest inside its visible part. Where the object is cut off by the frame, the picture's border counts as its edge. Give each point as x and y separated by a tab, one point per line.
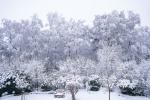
81	95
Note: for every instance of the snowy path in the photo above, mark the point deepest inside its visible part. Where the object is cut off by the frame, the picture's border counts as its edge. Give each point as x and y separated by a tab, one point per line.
82	95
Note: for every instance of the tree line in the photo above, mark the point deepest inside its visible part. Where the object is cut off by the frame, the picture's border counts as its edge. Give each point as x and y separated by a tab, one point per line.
115	49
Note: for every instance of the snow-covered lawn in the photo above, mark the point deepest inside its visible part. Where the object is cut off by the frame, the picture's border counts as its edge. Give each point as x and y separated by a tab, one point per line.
81	95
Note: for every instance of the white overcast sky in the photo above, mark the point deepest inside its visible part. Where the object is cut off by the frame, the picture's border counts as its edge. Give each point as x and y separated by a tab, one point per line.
76	9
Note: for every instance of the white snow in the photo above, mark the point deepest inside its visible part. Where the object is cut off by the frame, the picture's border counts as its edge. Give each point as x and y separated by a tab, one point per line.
81	95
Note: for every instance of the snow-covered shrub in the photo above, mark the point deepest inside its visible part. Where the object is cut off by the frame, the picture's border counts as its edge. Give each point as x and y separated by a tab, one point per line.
47	82
14	83
53	81
60	82
136	78
131	88
147	88
46	87
94	83
10	87
49	86
1	91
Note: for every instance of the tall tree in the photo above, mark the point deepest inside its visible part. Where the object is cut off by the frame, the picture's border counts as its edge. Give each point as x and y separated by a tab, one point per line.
109	66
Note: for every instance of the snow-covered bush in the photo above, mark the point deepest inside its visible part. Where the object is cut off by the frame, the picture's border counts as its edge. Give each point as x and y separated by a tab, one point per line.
49	85
10	87
94	83
147	88
47	82
45	87
131	88
54	84
135	80
60	83
14	83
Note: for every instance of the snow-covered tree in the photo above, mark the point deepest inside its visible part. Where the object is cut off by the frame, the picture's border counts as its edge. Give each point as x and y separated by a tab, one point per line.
78	66
35	70
47	54
117	28
74	69
109	66
73	85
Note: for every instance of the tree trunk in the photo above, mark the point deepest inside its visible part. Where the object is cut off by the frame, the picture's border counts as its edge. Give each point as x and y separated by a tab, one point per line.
73	96
109	92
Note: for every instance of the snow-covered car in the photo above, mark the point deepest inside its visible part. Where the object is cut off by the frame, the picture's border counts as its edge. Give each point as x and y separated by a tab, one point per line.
59	94
52	92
